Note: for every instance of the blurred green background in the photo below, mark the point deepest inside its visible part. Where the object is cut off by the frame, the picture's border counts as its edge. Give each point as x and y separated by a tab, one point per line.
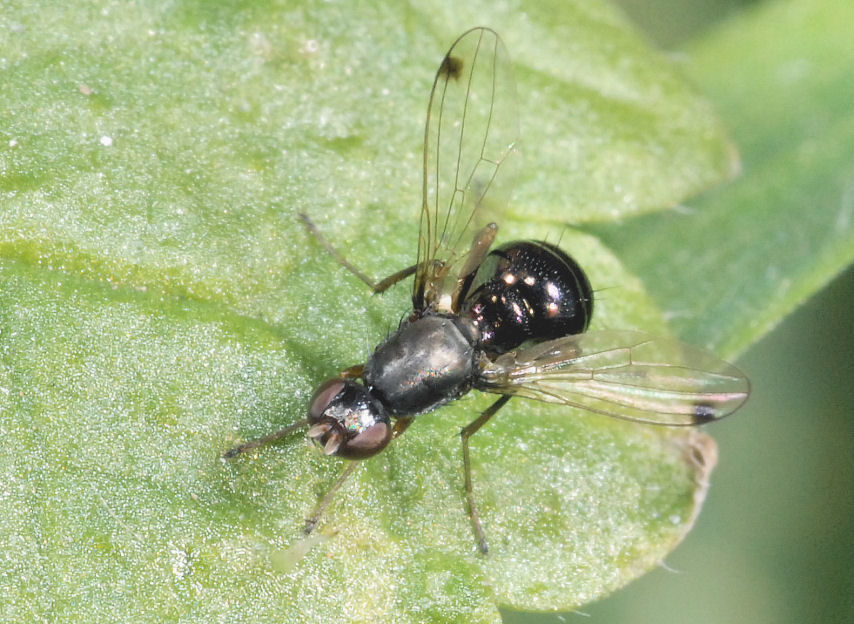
775	541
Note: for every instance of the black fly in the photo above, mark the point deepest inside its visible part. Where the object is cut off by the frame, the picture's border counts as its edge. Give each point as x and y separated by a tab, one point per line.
509	320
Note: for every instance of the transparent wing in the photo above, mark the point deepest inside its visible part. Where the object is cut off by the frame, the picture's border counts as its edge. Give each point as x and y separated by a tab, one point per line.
472	127
626	374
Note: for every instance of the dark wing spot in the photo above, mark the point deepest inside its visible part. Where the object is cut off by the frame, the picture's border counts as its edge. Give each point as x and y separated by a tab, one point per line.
697	456
704	413
451	67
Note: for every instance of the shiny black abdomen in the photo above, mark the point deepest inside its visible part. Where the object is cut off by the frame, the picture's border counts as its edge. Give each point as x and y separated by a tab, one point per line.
528	291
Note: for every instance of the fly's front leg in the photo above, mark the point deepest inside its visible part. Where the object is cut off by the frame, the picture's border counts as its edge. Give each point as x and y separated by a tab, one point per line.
377	287
264	440
312	520
399	427
352	372
467	432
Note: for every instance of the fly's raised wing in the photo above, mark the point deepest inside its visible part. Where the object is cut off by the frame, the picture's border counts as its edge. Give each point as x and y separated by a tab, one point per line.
472	127
626	374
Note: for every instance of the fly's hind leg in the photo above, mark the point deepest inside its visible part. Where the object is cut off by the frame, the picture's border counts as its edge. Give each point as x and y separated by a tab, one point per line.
377	287
467	432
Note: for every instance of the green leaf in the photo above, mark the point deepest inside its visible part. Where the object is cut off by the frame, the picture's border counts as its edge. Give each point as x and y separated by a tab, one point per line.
752	251
161	301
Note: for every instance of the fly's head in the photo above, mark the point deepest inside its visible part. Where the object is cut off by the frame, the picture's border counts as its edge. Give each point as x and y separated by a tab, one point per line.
347	421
